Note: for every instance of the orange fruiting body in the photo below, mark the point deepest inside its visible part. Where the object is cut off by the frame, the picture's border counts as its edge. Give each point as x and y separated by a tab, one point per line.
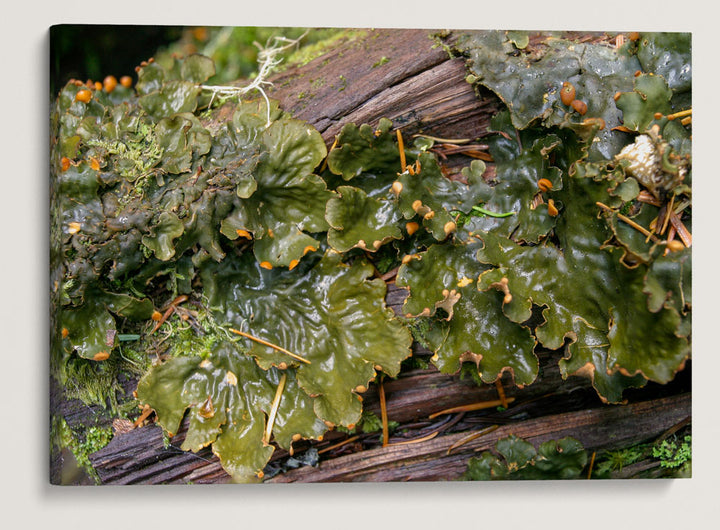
94	164
544	184
579	106
567	93
599	122
109	83
552	210
65	163
83	95
126	81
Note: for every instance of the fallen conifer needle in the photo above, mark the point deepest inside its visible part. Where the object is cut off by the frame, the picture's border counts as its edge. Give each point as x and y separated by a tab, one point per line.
630	222
270	345
274	408
472	406
417	440
340	444
471	437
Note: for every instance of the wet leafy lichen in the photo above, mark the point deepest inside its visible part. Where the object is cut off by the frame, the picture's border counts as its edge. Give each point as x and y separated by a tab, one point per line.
260	246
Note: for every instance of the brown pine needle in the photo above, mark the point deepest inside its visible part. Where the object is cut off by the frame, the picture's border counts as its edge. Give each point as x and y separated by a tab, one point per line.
471	437
169	311
401	148
630	222
501	393
680	114
274	408
459	141
383	411
592	462
325	162
666	220
146	411
648	198
346	441
417	440
474	406
163	318
679	227
270	345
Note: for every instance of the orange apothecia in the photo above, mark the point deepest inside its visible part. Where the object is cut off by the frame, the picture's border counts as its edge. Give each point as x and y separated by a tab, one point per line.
83	95
579	106
567	93
552	209
109	83
126	81
65	163
544	184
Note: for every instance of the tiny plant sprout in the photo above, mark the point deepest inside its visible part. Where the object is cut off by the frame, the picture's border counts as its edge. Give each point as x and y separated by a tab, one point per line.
567	93
579	106
109	83
83	95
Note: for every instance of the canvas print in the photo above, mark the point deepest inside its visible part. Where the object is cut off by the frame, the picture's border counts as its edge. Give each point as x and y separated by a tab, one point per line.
369	255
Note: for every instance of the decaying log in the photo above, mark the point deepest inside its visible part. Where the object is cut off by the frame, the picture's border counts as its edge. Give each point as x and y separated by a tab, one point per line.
402	75
405	76
602	428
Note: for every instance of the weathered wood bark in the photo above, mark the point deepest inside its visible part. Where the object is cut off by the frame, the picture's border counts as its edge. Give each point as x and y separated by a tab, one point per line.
404	76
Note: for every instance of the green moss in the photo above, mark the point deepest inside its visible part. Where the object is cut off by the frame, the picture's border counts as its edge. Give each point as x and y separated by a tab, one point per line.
334	37
81	442
674	453
383	60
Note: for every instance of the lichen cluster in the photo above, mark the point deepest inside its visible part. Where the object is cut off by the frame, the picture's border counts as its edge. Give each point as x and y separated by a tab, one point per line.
175	213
